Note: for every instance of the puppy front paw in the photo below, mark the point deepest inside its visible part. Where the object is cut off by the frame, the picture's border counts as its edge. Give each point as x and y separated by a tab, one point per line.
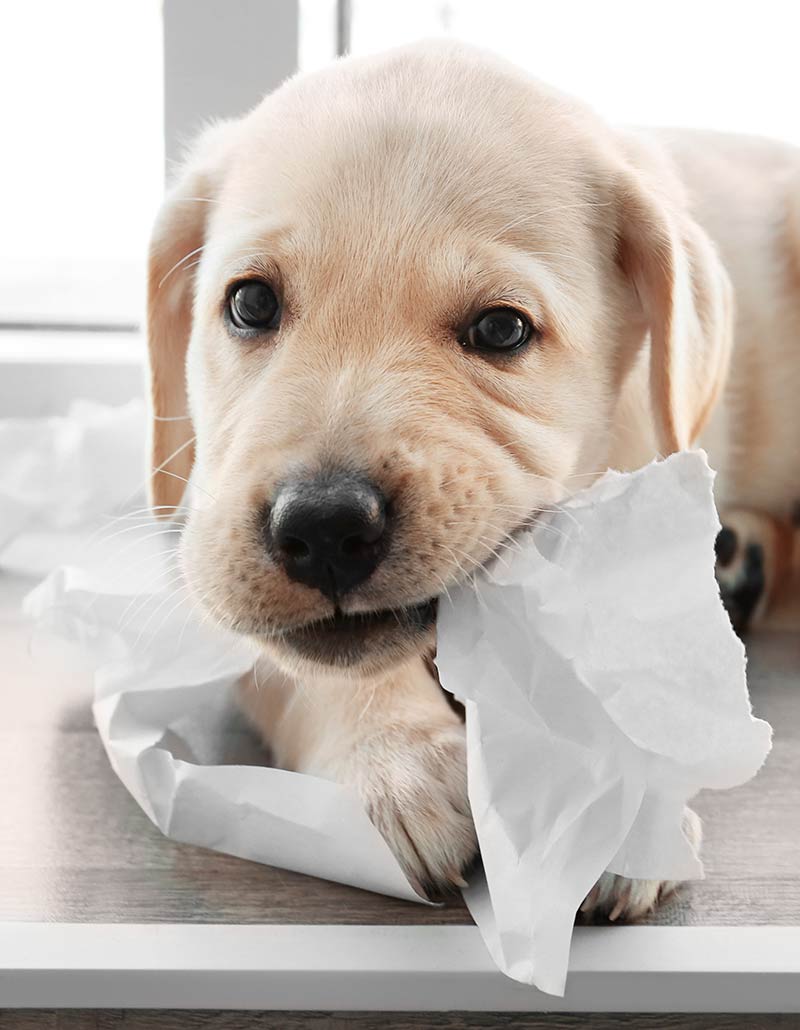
740	575
616	897
753	556
413	782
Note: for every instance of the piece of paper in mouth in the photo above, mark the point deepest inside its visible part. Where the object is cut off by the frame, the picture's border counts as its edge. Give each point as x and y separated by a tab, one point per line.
602	684
603	688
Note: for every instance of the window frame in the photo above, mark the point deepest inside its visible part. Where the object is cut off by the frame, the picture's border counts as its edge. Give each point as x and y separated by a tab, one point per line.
45	365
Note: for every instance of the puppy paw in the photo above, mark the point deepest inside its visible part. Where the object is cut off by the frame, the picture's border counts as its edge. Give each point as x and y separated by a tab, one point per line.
741	574
754	559
616	897
413	781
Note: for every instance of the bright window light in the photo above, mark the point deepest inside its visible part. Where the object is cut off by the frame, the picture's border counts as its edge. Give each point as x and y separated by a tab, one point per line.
82	172
82	84
720	64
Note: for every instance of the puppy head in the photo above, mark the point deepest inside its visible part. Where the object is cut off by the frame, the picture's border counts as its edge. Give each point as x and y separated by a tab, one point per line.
390	313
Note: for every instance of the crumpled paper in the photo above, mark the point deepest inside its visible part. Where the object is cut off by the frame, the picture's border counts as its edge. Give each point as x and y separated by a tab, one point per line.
601	681
603	688
164	705
57	472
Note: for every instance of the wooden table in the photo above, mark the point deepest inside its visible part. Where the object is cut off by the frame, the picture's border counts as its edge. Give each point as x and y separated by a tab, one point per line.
75	847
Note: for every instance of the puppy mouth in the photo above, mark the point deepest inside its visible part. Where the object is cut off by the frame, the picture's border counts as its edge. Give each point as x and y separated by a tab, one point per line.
347	638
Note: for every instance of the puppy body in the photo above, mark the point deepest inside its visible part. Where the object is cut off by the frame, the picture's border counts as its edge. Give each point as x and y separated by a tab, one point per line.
745	193
388	202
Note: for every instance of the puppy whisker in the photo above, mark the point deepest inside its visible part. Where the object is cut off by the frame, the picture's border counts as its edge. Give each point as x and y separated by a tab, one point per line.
178	264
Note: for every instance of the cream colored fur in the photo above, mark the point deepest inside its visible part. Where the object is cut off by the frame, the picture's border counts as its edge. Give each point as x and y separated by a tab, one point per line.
388	200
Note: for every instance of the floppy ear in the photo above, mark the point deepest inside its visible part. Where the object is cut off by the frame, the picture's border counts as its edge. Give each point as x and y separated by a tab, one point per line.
175	249
686	300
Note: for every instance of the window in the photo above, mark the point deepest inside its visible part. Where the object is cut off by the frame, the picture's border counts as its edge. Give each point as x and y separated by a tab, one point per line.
696	63
83	168
99	95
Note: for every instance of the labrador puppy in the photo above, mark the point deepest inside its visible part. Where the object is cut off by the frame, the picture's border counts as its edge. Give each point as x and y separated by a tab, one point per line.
399	308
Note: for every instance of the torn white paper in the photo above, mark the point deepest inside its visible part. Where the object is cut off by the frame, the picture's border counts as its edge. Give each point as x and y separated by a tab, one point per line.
602	684
58	474
59	471
603	689
163	707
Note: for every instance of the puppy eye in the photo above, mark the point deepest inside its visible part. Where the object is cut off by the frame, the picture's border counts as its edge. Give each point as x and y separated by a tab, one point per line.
252	304
498	330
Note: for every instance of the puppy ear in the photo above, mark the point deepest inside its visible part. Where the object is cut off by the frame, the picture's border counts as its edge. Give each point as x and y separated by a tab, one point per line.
175	250
686	301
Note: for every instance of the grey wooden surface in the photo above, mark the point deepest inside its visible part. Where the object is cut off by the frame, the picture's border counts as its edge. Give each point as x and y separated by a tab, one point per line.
74	846
85	1019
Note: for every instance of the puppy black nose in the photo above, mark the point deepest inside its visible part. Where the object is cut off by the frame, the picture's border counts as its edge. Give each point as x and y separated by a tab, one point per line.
329	531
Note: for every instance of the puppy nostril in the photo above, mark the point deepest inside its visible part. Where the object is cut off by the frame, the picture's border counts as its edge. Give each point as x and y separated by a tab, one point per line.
355	546
295	548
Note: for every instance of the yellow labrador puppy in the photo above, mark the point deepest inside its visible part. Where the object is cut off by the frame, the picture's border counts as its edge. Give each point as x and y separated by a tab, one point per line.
406	303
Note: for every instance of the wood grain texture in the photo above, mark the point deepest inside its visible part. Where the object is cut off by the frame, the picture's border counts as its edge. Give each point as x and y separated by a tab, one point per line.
74	846
89	1019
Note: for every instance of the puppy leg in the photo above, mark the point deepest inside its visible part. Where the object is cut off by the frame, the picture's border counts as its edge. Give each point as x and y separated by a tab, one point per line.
616	897
753	552
396	739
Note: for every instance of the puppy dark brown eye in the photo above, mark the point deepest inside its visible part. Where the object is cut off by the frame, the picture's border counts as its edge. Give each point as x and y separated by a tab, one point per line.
252	305
498	330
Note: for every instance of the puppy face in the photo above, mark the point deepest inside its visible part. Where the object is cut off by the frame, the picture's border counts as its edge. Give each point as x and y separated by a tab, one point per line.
407	332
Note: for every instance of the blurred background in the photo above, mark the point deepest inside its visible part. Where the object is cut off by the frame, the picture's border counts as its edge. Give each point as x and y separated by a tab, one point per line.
101	96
